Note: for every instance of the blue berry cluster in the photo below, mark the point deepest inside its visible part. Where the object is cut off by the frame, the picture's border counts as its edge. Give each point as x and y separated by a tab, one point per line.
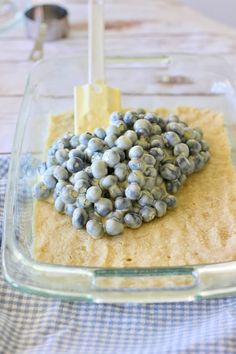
124	175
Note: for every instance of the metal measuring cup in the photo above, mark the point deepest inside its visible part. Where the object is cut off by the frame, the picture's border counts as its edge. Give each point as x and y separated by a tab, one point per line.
45	23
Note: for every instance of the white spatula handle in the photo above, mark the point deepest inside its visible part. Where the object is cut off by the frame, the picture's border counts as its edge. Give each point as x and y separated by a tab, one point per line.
96	41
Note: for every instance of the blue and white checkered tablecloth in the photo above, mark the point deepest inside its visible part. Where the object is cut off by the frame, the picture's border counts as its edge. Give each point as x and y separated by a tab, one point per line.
36	325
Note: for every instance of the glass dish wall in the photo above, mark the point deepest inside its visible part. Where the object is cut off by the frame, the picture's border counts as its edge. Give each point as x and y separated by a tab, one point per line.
165	80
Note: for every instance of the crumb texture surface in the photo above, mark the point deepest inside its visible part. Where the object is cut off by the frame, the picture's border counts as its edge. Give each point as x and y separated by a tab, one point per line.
202	229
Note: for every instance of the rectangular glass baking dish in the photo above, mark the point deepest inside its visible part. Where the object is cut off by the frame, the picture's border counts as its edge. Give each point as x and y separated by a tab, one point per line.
165	80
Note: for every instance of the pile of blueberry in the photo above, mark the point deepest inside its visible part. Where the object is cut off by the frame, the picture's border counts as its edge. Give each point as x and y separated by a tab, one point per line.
124	175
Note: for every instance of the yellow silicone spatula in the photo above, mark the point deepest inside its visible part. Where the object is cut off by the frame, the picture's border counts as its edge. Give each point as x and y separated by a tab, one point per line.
95	101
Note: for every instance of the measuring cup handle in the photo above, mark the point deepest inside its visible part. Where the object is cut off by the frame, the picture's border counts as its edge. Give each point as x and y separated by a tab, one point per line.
37	51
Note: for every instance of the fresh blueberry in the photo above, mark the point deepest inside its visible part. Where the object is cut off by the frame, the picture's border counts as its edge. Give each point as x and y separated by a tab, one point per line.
158	193
142	141
184	164
103	207
113	130
74	164
51	161
149	159
79	218
149	183
170	172
81	175
111	157
170	201
63	143
42	168
69	194
108	181
156	129
96	156
175	127
150	172
82	201
181	149
110	140
115	191
157	142
199	162
204	145
137	164
113	227
60	173
81	186
136	152
59	205
123	204
121	171
143	126
160	207
172	187
74	141
120	152
60	185
124	142
131	135
93	194
88	170
133	220
136	177
147	213
69	209
172	118
40	191
151	117
117	215
161	122
62	155
133	191
146	198
194	146
159	180
95	144
158	153
52	150
100	133
99	169
130	118
188	134
77	153
84	138
94	228
121	125
171	139
206	155
116	116
49	181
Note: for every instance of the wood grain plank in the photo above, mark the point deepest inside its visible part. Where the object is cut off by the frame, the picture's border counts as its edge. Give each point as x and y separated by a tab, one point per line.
132	27
13	77
17	50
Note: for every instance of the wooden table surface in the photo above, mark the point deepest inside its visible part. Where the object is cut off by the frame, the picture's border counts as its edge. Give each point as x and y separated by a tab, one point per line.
132	27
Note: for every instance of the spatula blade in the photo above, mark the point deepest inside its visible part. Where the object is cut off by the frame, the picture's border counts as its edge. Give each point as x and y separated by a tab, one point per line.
93	105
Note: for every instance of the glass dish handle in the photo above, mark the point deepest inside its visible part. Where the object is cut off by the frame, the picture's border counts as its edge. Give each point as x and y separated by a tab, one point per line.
145	284
187	284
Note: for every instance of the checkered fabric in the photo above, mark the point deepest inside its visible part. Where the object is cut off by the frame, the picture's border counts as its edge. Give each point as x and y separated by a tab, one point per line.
36	325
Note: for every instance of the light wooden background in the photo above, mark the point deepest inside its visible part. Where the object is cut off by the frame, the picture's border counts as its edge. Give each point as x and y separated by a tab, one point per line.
132	27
